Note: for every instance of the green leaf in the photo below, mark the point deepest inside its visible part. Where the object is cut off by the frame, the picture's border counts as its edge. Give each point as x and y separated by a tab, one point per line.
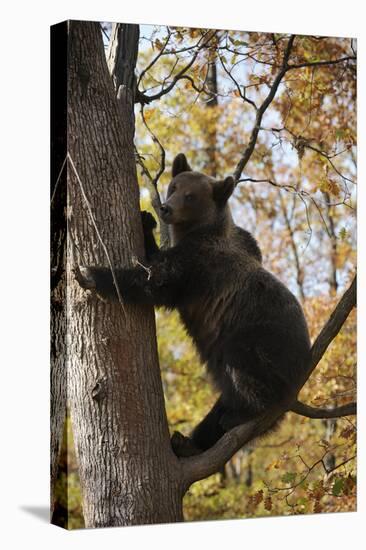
338	487
240	43
343	233
288	477
237	42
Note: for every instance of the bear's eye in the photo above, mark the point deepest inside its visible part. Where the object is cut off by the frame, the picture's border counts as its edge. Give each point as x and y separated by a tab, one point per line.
189	197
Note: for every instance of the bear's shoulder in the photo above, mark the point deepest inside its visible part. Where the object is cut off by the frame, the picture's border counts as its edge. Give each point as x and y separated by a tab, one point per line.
245	240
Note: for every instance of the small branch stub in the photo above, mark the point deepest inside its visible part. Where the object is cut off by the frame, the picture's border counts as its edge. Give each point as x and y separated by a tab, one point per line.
136	262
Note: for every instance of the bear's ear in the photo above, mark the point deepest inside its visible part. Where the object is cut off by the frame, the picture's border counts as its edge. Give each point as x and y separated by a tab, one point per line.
223	189
180	164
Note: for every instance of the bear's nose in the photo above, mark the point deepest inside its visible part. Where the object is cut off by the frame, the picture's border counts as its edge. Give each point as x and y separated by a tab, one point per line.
165	210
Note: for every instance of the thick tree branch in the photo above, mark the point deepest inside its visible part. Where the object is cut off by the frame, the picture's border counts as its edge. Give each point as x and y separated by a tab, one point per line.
333	326
320	346
315	412
211	461
203	465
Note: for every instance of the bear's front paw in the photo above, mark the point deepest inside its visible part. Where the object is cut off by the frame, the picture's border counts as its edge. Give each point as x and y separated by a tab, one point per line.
85	277
148	221
183	446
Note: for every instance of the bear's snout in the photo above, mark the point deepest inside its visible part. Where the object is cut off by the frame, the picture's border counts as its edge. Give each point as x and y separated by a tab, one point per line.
166	211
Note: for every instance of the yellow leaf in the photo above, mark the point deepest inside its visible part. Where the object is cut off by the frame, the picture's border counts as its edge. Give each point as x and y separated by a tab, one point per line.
158	44
148	114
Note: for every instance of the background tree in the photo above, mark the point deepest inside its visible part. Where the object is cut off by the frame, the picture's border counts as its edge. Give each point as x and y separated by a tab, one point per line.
289	99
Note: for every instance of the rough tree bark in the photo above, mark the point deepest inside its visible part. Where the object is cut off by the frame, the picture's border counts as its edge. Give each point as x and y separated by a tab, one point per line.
129	474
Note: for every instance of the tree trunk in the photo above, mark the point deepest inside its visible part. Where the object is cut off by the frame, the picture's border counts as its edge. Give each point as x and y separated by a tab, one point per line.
333	253
122	55
331	423
212	103
299	272
128	472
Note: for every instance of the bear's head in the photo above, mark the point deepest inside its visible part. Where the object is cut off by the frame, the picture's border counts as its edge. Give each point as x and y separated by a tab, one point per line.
194	199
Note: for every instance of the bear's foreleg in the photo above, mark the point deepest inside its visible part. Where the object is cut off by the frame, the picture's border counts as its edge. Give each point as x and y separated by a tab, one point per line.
148	225
157	284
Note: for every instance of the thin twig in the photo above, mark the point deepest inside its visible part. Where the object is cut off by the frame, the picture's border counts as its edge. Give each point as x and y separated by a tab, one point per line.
156	200
262	109
203	42
155	139
321	63
86	200
152	63
58	179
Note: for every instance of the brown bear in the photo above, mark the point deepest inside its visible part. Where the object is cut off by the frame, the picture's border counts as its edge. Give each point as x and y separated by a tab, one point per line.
247	326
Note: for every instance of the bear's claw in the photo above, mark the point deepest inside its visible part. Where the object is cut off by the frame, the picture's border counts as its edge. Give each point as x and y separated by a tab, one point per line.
84	277
148	221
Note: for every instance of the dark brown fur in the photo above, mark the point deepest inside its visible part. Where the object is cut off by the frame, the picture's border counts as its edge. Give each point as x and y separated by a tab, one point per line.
247	326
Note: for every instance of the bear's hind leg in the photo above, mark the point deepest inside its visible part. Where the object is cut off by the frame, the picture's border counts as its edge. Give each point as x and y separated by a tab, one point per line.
204	436
210	429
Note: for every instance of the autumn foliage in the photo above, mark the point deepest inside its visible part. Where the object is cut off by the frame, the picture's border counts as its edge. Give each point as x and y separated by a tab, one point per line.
297	196
200	91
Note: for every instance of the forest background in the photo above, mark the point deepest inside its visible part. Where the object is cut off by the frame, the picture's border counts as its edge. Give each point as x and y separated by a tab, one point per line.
25	496
297	195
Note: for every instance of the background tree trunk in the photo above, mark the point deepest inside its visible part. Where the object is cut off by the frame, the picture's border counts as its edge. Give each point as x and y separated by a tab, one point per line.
128	472
212	103
122	55
331	423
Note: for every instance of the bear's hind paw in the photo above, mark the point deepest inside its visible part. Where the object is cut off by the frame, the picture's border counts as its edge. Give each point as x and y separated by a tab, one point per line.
183	446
